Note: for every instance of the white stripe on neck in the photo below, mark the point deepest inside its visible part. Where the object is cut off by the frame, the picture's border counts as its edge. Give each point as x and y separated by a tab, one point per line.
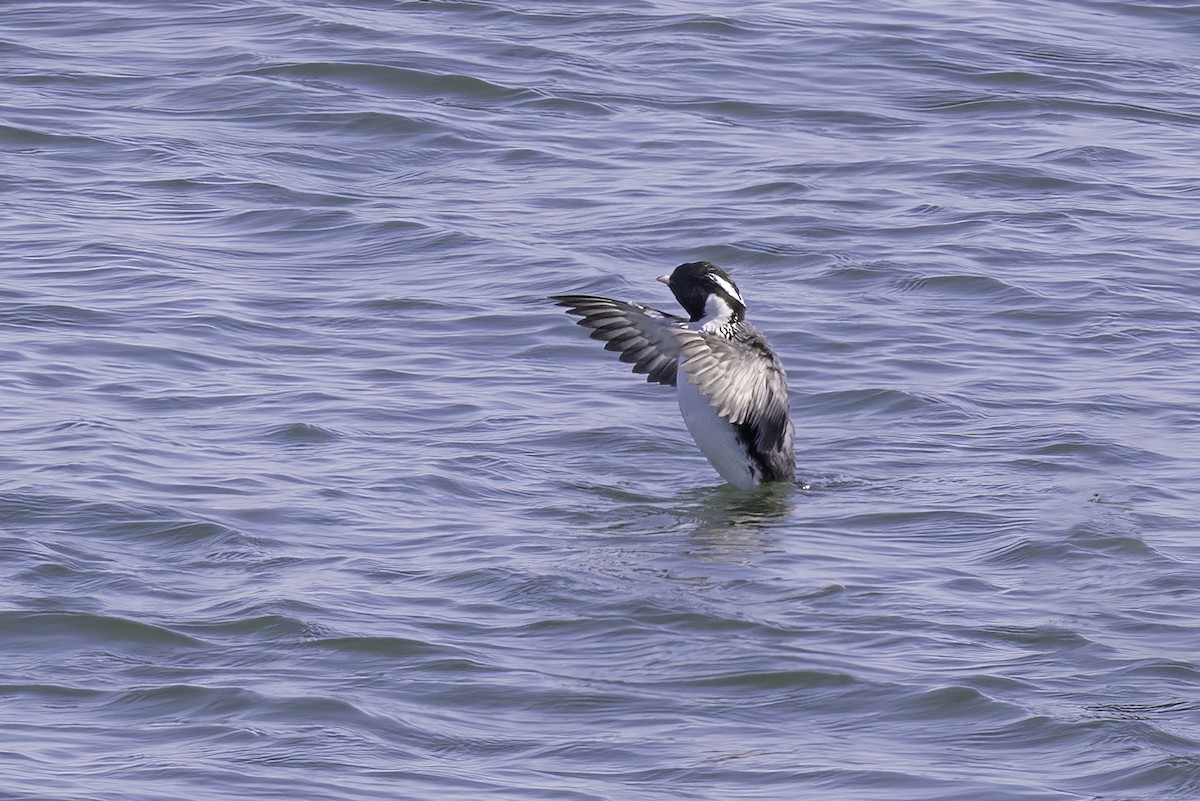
717	314
728	287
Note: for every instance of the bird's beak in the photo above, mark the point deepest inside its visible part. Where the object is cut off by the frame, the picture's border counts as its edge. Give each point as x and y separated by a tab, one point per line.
666	279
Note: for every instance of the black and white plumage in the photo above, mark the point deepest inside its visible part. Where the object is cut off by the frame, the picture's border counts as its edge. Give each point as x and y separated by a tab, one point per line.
734	399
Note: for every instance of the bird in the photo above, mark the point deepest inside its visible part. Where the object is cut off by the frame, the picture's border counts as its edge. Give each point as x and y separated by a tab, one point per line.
731	387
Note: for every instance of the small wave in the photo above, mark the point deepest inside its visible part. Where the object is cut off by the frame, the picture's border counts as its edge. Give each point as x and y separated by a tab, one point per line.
52	631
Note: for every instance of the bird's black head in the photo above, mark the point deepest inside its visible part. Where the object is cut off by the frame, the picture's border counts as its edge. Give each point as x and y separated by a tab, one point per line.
705	290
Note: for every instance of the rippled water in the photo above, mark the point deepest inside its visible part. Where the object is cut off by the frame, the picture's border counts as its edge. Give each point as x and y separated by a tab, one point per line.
309	493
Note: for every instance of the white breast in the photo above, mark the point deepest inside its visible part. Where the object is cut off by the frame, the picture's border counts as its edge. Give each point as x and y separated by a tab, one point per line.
715	435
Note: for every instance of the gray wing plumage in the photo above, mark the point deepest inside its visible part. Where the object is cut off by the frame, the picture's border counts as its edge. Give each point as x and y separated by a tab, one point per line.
745	381
647	338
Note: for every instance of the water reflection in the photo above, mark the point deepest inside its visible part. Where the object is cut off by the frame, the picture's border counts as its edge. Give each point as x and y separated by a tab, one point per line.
725	509
729	524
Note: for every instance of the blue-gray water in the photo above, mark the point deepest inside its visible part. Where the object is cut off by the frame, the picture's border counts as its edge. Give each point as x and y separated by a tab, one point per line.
308	492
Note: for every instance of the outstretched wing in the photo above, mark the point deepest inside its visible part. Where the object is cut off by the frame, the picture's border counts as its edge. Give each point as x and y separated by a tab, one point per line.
647	338
745	383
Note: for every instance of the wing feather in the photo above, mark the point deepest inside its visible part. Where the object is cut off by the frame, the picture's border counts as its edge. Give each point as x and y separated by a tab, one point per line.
647	338
746	384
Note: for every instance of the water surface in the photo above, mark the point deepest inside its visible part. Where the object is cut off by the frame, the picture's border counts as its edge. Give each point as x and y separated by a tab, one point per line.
308	492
